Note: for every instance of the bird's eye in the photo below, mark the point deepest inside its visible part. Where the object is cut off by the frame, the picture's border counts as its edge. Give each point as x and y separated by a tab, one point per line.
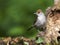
38	12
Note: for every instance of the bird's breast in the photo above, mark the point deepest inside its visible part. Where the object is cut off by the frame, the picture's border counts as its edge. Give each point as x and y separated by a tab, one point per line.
42	19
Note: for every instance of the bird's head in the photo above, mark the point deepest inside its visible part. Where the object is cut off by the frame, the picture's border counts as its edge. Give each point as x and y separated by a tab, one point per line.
38	12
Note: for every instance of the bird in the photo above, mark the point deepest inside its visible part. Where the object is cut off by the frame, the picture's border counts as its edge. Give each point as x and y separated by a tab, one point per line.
40	21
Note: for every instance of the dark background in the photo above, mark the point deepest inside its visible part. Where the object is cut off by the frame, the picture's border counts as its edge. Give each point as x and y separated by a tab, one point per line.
16	16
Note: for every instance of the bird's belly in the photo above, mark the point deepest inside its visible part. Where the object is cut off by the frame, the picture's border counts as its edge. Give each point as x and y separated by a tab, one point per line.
40	23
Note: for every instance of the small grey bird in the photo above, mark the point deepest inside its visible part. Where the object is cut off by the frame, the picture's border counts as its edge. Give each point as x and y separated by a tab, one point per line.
40	20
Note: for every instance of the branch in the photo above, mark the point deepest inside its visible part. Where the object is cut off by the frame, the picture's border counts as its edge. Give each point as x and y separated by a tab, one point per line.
56	2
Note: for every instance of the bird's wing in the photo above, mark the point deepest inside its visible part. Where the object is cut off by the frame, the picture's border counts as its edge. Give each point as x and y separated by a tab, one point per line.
35	20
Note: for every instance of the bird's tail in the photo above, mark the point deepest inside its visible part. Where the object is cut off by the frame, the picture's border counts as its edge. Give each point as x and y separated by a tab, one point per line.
30	28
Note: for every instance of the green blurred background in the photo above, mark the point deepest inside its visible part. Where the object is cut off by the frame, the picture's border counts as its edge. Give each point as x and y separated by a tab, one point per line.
16	16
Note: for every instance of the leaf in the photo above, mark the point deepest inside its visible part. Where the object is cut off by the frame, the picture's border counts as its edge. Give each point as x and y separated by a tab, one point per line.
39	40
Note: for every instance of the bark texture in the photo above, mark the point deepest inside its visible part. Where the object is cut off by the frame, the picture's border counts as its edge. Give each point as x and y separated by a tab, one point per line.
53	22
